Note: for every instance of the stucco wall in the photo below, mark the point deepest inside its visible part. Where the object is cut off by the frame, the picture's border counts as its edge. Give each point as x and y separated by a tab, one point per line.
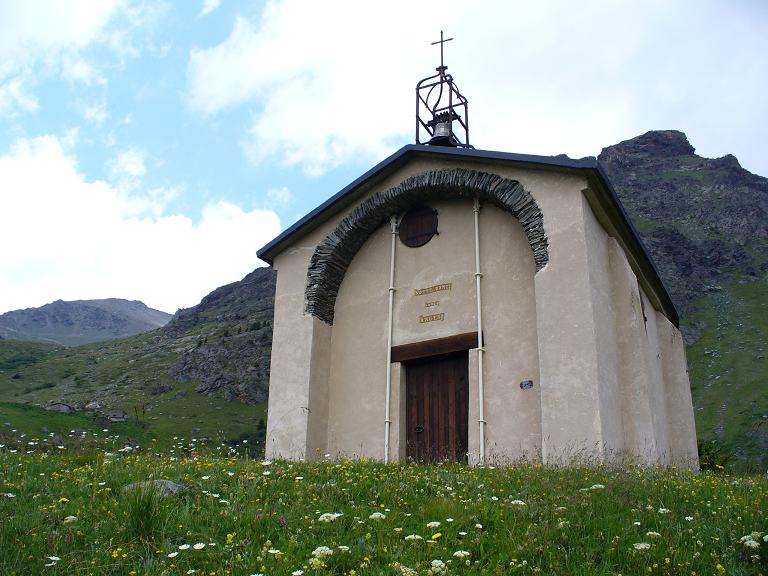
358	351
604	312
298	364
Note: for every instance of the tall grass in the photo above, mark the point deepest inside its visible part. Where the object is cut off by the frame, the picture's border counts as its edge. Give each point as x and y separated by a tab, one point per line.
242	516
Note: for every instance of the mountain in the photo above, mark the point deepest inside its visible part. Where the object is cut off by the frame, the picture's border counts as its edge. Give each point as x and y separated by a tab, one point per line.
81	321
705	221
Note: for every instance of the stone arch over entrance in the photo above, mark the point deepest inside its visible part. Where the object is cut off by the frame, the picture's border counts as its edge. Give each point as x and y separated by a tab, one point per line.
334	254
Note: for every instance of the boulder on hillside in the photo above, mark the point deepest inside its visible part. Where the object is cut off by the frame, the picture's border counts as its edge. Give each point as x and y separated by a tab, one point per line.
63	407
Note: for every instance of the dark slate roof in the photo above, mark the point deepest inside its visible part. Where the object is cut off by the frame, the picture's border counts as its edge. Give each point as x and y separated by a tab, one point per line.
589	167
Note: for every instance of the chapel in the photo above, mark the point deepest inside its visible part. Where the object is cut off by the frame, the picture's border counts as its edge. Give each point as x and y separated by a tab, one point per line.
476	306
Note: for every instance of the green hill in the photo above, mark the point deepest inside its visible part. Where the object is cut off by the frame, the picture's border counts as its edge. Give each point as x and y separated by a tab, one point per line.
204	374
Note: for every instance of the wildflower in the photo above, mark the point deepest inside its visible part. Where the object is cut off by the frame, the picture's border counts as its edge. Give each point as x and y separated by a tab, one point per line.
449	519
563	524
461	554
751	543
641	546
266	473
405	570
438	567
377	516
517	503
266	463
329	516
343	548
63	500
597	487
173	554
53	558
294	573
437	535
664	510
433	524
322	552
70	519
273	551
689	518
206	477
413	537
479	526
653	535
7	495
184	547
199	546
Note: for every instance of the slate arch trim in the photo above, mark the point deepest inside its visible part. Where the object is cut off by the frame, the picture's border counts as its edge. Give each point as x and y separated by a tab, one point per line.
334	254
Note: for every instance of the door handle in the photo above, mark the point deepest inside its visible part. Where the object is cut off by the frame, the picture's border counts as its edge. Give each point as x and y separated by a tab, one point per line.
419	429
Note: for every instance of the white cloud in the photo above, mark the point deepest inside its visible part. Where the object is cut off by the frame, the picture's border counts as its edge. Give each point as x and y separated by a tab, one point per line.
280	196
37	26
15	95
95	113
208	7
75	68
542	77
128	164
74	238
323	92
45	38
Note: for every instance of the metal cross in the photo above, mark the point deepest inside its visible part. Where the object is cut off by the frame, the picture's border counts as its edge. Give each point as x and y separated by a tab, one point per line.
441	42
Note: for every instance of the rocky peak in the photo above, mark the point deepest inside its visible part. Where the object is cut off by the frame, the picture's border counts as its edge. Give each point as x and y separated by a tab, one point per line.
81	321
696	215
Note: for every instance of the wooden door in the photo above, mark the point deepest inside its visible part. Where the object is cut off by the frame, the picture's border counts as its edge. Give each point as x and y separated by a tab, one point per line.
437	409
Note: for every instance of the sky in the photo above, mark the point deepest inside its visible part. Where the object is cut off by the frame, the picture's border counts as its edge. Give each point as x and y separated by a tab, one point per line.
149	149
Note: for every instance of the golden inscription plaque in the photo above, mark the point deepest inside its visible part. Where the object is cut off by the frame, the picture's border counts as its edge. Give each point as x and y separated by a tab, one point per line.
431	304
432	318
430	289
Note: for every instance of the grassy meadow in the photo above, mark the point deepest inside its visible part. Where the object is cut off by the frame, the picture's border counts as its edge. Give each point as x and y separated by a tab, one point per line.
65	510
131	374
729	372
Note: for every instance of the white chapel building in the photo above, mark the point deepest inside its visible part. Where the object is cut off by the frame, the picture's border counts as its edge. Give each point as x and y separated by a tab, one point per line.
487	307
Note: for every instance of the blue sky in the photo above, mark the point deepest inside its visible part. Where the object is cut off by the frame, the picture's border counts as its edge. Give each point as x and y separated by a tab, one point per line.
148	149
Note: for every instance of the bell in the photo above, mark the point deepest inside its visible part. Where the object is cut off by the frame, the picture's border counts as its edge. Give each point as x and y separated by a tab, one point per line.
442	135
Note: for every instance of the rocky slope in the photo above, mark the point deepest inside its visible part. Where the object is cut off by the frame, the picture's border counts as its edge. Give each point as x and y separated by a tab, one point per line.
703	220
81	321
232	357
